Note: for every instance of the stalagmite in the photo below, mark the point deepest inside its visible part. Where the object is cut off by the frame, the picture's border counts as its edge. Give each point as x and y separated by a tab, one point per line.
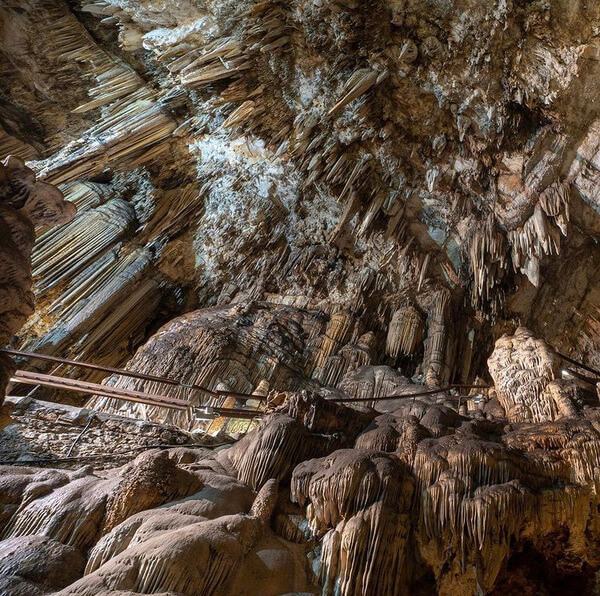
216	352
37	565
349	358
211	555
371	382
71	514
524	370
364	497
335	334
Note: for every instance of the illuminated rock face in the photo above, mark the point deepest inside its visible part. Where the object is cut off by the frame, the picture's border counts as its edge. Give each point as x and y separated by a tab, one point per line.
525	371
308	201
412	171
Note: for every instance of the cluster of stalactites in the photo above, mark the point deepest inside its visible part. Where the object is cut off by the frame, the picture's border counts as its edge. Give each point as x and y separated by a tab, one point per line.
488	260
135	124
490	249
404	333
87	268
238	60
477	497
540	234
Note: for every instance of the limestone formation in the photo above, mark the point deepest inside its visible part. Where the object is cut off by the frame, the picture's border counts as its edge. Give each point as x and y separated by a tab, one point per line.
356	241
404	333
416	497
525	370
25	205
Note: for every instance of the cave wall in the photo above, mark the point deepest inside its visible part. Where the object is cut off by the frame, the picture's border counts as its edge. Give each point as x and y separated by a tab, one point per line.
24	205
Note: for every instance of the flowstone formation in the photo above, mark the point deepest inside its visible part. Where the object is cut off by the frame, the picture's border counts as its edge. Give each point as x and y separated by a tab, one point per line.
369	230
321	499
526	375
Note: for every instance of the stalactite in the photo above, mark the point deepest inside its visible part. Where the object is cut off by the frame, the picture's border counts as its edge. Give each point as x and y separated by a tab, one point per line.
488	260
359	82
63	254
113	83
404	333
222	60
84	195
393	434
219	495
133	130
174	212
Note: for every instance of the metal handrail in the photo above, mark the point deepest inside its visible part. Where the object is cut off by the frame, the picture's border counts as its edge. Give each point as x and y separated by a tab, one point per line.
133	374
413	395
161	401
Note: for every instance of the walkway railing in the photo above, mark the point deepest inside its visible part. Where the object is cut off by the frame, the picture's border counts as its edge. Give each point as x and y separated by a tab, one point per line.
151	399
130	373
31	378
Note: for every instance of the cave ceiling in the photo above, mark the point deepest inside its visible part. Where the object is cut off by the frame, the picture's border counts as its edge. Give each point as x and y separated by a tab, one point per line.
333	156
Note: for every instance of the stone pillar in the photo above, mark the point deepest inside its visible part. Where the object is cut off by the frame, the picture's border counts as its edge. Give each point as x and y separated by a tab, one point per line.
434	358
